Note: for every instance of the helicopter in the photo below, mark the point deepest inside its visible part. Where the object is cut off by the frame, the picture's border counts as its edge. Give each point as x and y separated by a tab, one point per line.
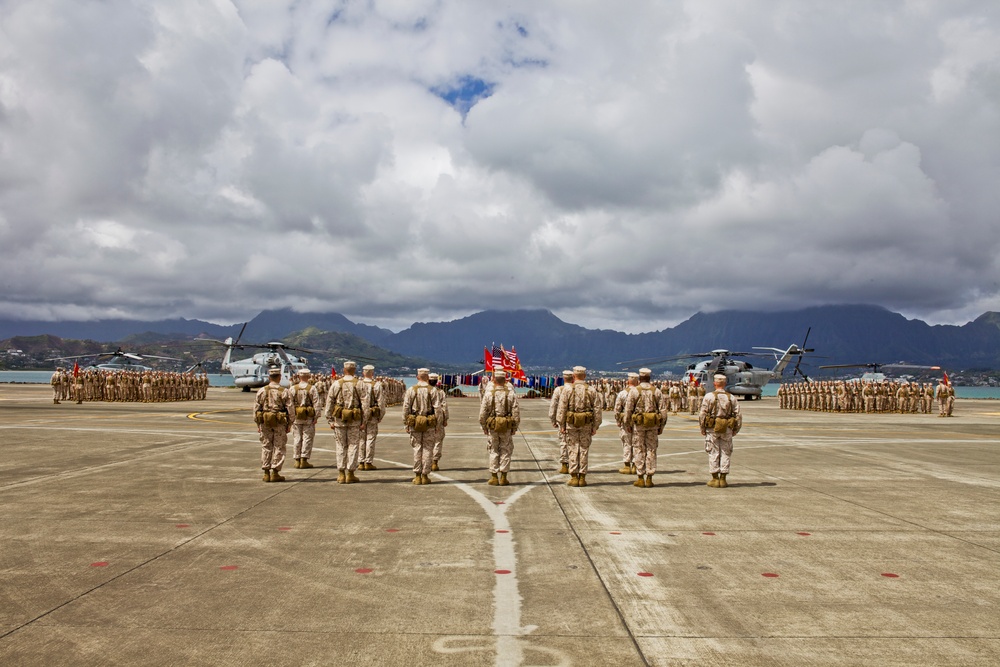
117	360
875	375
742	379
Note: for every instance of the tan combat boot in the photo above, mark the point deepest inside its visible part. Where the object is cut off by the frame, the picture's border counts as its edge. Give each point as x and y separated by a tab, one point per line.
275	477
639	482
351	479
574	479
371	466
304	463
434	466
714	482
633	469
722	480
341	476
424	479
564	469
503	480
626	469
649	481
493	480
583	480
267	475
416	479
297	463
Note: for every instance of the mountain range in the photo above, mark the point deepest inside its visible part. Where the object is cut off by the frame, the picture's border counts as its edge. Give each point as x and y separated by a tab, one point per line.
840	334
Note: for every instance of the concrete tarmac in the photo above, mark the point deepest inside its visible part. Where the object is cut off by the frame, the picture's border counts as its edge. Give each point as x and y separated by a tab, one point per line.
141	534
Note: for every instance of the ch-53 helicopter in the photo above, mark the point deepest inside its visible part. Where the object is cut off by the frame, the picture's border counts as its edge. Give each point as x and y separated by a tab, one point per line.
742	379
117	360
875	375
252	373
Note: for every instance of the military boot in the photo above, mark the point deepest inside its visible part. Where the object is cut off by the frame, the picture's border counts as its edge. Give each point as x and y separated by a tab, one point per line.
722	480
649	481
583	480
341	476
424	479
493	480
304	463
351	479
298	463
503	480
626	469
267	475
574	479
564	469
371	466
362	466
714	482
434	466
416	479
633	469
639	482
275	477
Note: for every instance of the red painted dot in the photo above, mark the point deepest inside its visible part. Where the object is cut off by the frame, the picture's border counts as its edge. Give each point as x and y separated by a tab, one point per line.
284	528
645	574
708	533
500	502
615	532
229	567
890	575
503	531
183	525
392	530
804	534
501	571
770	575
364	570
102	563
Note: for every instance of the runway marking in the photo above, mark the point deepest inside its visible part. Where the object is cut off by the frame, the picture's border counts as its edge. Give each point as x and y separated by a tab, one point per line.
509	647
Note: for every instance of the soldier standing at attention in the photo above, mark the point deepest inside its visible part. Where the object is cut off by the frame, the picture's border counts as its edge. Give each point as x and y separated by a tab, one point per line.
346	411
500	417
57	381
579	417
625	431
720	420
376	411
441	411
421	423
305	402
645	414
553	406
273	412
946	398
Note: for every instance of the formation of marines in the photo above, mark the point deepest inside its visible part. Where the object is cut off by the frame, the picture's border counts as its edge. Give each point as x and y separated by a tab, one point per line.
868	396
354	407
127	386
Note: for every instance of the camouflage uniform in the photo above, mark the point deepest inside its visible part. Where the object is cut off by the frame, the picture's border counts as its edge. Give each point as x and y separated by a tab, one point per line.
346	411
579	417
376	412
500	417
306	407
418	401
553	406
441	410
273	400
719	404
644	402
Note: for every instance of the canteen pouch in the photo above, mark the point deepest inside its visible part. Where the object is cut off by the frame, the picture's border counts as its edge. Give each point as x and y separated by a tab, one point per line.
720	426
274	419
423	423
579	419
650	420
349	415
305	412
500	424
258	418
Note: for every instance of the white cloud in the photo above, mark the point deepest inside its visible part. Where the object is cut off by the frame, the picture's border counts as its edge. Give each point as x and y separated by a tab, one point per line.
621	165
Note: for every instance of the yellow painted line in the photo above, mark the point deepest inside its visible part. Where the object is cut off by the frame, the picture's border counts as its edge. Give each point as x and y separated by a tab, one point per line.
197	416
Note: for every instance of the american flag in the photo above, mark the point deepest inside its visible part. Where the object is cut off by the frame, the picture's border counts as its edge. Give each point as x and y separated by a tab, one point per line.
498	356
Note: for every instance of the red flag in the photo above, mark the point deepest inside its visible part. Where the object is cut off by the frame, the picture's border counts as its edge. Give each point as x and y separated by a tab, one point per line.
76	369
487	360
946	380
333	371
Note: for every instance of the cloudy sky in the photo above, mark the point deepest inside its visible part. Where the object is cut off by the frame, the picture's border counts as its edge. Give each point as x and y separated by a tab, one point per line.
622	164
